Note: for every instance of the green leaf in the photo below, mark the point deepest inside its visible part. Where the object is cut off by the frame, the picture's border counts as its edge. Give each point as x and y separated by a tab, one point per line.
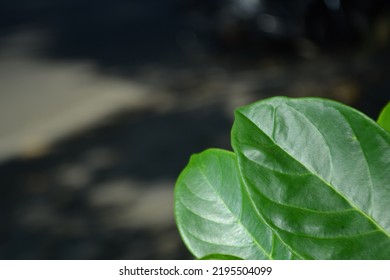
318	172
384	118
214	216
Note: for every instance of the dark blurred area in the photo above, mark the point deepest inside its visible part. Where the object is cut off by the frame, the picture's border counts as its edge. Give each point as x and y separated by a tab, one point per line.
103	102
329	24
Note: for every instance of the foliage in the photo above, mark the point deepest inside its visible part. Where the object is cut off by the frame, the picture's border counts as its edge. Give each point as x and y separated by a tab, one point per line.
384	118
309	178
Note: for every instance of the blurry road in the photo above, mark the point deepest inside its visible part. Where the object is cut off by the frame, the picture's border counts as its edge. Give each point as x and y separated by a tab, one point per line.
42	101
64	195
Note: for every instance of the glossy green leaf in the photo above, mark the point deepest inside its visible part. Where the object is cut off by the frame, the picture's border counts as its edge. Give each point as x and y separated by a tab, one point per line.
318	172
214	216
384	118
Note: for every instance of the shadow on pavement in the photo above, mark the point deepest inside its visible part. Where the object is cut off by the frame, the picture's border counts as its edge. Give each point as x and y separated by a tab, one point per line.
107	192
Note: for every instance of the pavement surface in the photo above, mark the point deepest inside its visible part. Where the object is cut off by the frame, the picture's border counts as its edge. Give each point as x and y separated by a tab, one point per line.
43	100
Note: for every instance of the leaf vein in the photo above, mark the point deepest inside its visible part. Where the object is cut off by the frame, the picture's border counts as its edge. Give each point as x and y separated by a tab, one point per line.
237	217
322	179
196	213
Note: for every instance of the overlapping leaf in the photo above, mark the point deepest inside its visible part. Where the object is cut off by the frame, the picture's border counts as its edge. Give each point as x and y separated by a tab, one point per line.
318	172
215	217
384	118
310	178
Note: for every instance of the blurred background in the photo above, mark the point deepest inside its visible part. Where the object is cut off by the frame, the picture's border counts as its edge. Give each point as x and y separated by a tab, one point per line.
103	102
